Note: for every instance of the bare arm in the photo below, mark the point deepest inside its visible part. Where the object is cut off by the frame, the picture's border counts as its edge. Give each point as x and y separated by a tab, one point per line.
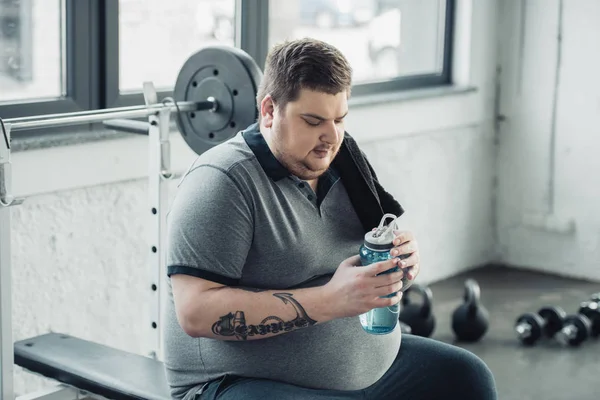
211	310
208	309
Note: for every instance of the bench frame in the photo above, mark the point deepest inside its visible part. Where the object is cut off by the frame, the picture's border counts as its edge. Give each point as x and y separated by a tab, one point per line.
158	173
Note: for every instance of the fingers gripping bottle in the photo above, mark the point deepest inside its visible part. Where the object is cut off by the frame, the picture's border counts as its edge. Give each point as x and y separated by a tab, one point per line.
376	247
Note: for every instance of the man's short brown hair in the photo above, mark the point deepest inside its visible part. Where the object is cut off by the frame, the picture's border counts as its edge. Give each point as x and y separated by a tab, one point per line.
303	64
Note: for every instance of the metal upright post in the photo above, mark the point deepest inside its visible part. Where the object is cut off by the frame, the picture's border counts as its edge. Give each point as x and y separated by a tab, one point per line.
159	172
6	201
164	163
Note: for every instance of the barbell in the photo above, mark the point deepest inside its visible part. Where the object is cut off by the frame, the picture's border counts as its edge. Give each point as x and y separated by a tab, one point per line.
228	78
213	98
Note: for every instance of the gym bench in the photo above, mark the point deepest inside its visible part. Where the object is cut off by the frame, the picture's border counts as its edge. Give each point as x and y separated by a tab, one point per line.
94	368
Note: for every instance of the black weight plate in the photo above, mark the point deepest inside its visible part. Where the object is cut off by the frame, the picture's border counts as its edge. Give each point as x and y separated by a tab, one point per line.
582	325
554	317
231	77
591	310
535	322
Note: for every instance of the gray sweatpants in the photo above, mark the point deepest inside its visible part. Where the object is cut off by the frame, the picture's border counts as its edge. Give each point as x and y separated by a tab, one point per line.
425	369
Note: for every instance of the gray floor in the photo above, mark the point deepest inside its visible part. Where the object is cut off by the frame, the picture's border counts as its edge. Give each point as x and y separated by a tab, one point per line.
546	371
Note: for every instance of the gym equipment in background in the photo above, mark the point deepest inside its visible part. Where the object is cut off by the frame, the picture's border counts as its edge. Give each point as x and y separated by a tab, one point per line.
404	328
591	309
229	78
214	98
419	317
531	327
576	329
470	320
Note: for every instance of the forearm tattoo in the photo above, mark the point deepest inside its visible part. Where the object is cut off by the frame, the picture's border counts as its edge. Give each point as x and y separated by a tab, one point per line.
234	324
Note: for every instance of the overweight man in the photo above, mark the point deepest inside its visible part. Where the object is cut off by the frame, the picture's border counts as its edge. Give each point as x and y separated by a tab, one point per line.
265	283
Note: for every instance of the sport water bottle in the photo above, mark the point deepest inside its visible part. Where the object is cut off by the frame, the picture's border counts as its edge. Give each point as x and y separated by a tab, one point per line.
376	247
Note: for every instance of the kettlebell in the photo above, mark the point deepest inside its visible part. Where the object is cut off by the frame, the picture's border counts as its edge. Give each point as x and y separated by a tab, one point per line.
404	328
418	316
470	320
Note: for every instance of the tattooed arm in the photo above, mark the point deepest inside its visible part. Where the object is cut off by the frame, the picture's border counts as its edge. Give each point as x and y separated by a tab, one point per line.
208	309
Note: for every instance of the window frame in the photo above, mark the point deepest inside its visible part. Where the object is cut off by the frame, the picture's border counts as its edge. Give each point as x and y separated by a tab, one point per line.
91	27
254	17
79	17
251	16
418	81
110	32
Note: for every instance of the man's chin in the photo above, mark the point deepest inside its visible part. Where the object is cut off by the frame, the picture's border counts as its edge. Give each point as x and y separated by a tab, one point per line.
311	173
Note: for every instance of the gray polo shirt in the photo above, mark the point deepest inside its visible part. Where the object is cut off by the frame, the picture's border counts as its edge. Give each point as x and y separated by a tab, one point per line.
240	218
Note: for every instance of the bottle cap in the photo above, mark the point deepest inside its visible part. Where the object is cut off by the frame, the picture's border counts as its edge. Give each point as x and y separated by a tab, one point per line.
383	236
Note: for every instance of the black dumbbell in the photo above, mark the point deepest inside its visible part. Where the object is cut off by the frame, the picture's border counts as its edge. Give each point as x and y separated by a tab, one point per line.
470	320
591	309
576	329
531	327
418	317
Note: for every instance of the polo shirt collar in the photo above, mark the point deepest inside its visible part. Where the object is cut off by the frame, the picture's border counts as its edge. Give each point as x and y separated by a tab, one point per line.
257	143
274	169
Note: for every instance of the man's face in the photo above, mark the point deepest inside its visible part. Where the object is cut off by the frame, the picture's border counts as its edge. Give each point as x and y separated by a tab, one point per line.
306	135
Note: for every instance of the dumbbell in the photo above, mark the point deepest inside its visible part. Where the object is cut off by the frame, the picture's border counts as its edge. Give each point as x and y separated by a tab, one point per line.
531	327
576	329
470	320
591	309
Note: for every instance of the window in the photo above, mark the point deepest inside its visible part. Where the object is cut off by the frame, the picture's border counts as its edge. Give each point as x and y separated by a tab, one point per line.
45	57
156	37
61	56
383	39
31	62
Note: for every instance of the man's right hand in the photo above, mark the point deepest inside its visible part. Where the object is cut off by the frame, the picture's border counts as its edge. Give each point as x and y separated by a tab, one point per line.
355	289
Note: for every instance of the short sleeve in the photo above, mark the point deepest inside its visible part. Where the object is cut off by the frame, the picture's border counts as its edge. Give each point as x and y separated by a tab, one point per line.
209	227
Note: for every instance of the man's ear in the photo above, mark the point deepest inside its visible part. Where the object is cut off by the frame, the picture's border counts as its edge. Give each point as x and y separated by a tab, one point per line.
267	111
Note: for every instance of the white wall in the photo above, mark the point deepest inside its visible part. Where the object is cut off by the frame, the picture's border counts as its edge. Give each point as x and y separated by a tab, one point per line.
549	185
79	245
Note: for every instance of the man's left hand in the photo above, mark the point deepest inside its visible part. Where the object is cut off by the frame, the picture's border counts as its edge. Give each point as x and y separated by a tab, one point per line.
405	245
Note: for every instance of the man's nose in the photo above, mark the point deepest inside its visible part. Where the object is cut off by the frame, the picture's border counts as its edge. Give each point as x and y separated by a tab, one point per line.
331	132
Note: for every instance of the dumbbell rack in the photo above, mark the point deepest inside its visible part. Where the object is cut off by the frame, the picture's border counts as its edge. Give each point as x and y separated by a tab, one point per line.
159	173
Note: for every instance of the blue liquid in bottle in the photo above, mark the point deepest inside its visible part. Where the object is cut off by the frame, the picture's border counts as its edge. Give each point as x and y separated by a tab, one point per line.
376	248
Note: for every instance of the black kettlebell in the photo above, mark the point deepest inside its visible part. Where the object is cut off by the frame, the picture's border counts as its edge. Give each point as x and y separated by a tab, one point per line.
418	316
470	320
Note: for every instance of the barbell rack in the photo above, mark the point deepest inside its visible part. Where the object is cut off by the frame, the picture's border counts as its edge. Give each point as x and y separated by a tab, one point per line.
158	120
